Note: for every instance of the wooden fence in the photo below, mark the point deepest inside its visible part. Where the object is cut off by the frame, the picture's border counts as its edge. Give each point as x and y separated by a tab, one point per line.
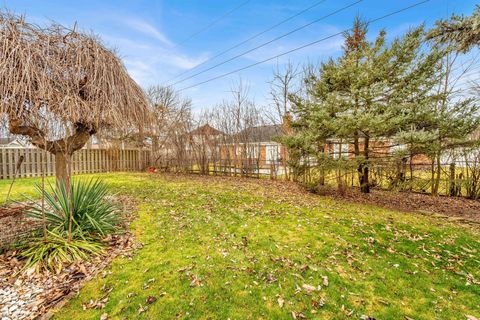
84	161
230	167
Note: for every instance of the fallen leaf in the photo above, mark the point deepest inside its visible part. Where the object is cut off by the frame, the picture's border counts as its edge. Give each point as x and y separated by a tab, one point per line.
141	309
308	288
195	281
280	301
325	281
150	300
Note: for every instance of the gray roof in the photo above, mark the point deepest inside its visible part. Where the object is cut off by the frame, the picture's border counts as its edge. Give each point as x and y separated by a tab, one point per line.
6	140
258	134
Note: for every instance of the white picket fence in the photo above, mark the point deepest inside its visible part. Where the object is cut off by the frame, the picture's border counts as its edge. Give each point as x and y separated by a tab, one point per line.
84	161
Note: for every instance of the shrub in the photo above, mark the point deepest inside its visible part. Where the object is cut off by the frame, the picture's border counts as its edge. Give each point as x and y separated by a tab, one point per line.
57	250
92	213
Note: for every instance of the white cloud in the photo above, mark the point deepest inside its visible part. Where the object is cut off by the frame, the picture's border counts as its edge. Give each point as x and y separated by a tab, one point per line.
182	61
148	29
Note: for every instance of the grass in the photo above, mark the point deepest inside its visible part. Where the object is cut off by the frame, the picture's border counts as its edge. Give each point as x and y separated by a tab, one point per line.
236	248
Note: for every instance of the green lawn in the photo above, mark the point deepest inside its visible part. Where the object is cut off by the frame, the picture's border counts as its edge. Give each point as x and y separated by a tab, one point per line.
237	249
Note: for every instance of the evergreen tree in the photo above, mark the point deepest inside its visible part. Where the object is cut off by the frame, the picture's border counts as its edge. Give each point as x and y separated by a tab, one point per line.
461	32
369	93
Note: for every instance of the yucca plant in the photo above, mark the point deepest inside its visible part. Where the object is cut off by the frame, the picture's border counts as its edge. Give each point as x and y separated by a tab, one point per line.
57	250
91	212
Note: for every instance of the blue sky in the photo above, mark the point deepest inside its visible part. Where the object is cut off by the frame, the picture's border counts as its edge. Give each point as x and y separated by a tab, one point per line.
150	36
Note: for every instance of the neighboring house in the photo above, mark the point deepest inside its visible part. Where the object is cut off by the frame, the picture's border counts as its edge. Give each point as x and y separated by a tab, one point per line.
129	142
206	130
12	143
256	146
205	138
379	148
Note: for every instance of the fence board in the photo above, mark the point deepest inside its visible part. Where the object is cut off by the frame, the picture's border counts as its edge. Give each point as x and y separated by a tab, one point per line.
84	161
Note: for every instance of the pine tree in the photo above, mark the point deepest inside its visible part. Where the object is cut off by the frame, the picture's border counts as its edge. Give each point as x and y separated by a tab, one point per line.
369	93
461	32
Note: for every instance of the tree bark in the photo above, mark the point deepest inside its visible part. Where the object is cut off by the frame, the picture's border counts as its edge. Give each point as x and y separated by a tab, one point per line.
61	168
437	178
365	183
356	151
453	186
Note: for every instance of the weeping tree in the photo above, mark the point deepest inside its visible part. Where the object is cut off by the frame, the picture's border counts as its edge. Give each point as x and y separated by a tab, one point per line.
59	86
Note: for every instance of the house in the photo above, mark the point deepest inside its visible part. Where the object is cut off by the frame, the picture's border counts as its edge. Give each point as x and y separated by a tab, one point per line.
205	131
379	148
121	142
206	138
256	147
14	143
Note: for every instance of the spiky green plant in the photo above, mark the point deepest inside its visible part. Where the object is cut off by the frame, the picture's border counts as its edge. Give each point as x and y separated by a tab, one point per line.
58	250
92	213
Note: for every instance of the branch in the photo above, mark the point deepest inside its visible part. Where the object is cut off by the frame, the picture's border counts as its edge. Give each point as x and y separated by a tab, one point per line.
38	137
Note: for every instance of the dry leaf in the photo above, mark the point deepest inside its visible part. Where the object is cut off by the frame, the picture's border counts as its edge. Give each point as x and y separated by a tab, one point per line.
325	281
195	281
280	301
150	300
308	288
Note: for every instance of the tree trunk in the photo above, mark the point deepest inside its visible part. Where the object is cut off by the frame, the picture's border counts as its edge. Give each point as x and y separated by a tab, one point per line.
356	151
438	173
365	181
62	171
63	167
453	186
432	175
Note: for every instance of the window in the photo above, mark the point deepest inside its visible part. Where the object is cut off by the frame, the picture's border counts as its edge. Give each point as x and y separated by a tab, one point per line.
398	148
272	154
345	150
253	151
340	150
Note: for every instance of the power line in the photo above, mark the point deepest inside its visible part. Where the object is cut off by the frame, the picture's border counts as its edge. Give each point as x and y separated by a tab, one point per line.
305	46
316	4
211	24
268	42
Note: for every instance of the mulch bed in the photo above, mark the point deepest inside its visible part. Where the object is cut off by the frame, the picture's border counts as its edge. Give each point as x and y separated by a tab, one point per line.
31	295
461	209
11	210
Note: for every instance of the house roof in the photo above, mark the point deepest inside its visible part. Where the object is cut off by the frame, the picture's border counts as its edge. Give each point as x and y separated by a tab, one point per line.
206	130
258	134
8	141
12	143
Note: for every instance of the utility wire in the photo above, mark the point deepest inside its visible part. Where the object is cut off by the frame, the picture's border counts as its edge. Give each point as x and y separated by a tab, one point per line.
306	45
211	24
316	4
268	42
